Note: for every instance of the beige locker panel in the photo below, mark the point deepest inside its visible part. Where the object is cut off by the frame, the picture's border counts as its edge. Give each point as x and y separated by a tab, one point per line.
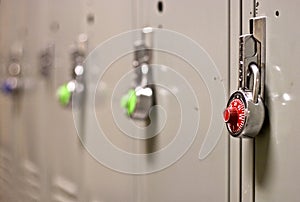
189	179
46	146
14	24
37	97
66	20
277	147
107	19
41	157
47	167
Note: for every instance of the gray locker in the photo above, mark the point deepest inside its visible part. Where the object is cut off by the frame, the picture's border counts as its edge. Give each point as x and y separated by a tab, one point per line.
201	22
265	168
276	177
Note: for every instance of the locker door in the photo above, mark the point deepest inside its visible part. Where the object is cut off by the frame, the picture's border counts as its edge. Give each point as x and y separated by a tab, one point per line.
267	163
276	148
47	169
65	21
189	178
32	137
14	24
106	20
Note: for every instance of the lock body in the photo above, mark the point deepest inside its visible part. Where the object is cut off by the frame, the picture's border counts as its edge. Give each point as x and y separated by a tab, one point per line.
141	98
13	84
243	117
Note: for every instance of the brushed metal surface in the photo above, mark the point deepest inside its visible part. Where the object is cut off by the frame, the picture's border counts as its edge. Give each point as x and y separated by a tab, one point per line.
276	149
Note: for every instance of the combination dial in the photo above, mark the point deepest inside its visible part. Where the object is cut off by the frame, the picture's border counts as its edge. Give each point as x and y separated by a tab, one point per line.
234	115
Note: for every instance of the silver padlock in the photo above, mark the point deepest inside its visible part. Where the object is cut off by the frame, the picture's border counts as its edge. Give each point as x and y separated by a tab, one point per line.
139	99
245	112
138	102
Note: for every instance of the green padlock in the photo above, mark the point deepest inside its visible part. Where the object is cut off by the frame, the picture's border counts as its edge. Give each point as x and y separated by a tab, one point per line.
128	102
64	95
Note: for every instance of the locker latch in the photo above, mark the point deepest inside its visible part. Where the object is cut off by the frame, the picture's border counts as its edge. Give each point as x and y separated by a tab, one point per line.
245	111
140	98
47	61
76	84
14	83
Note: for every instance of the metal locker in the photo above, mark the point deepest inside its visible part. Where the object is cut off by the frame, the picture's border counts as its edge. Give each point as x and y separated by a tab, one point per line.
190	178
65	154
106	21
47	152
276	149
266	163
207	179
40	142
11	119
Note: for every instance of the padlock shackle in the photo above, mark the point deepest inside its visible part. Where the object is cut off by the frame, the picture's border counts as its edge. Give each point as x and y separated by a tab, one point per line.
256	81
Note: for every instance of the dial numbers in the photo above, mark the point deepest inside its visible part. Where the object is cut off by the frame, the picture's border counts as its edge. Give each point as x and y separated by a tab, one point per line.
238	124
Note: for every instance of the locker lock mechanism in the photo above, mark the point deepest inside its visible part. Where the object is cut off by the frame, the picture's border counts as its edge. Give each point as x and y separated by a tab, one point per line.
245	111
140	98
13	84
76	84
